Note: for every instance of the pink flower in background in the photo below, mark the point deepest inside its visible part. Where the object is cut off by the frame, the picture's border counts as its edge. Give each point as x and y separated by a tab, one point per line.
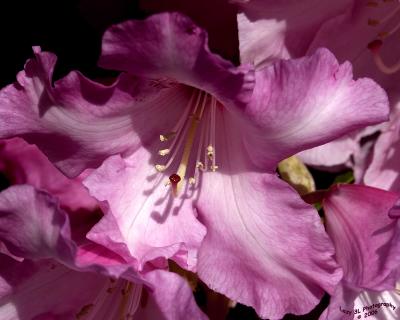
190	144
274	30
365	35
367	247
270	30
382	169
22	163
54	278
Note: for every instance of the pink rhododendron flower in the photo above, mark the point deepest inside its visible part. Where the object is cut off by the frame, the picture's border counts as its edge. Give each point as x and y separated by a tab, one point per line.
270	30
190	144
366	35
383	171
59	280
367	247
274	30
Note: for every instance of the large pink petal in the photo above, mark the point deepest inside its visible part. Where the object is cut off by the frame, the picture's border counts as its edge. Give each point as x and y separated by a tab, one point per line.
349	34
365	238
341	304
218	17
143	219
25	164
348	303
170	45
264	246
383	171
45	290
78	122
331	154
171	299
32	224
299	104
273	30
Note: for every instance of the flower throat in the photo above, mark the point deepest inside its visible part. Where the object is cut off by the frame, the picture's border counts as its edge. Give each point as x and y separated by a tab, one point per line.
193	137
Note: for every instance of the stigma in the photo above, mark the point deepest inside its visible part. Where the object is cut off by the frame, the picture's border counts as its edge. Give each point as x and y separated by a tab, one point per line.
190	146
387	27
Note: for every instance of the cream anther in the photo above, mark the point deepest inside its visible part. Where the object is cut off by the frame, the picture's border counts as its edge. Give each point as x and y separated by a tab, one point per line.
390	22
200	165
160	167
163	152
213	168
194	138
210	152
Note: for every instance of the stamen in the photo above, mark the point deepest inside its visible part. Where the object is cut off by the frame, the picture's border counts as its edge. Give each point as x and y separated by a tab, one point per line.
85	310
212	116
136	293
189	142
210	152
200	165
186	131
166	137
96	305
383	34
214	168
373	22
206	142
125	295
388	17
181	134
163	152
375	47
160	167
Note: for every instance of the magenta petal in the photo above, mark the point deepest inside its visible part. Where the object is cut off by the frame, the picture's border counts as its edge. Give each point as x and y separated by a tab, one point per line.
383	171
33	226
264	246
171	299
170	45
273	30
44	290
349	35
366	239
299	104
22	163
77	122
341	304
143	219
334	153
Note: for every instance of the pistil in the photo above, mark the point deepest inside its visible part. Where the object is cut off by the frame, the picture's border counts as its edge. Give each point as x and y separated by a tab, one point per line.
376	45
198	116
